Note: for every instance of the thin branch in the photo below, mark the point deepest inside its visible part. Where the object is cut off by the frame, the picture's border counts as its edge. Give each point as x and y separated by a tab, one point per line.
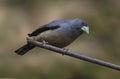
74	54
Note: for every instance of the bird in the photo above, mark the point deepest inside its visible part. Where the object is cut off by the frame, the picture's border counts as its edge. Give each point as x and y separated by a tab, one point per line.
59	33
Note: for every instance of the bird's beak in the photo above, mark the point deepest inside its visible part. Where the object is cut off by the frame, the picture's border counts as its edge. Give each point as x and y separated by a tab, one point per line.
85	29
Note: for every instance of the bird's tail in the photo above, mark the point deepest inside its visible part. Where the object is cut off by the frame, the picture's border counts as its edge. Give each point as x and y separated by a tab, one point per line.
24	49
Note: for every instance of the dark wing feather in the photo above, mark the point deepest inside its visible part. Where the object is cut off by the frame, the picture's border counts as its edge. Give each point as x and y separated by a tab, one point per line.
42	29
50	26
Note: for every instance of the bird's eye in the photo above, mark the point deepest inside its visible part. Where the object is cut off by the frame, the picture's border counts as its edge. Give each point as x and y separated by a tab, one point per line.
84	24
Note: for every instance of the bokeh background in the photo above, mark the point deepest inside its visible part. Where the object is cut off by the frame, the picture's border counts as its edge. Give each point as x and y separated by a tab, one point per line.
20	17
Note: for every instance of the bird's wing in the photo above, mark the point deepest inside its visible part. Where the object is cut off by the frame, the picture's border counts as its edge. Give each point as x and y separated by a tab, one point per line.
50	26
42	29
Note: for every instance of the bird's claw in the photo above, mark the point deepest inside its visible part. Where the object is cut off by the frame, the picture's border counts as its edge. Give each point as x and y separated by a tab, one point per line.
44	42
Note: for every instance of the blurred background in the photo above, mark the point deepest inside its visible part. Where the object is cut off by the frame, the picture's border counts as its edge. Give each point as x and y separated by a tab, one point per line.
20	17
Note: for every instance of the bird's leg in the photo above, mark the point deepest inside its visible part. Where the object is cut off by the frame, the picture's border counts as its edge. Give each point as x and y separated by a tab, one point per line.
44	42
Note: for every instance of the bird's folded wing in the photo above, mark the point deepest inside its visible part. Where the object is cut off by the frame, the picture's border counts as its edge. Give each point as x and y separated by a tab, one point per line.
42	29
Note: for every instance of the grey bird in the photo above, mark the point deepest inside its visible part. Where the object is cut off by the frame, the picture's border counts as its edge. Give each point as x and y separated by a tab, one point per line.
58	33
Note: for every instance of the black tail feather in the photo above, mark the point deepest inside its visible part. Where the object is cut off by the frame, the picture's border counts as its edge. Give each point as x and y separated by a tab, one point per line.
24	49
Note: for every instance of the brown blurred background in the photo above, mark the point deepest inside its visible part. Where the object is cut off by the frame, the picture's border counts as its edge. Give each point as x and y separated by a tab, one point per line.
20	17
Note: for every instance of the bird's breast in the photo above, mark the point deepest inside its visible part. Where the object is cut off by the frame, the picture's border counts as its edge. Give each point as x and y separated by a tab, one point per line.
56	38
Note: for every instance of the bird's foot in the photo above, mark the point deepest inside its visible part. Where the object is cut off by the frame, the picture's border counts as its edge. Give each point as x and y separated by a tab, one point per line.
44	42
